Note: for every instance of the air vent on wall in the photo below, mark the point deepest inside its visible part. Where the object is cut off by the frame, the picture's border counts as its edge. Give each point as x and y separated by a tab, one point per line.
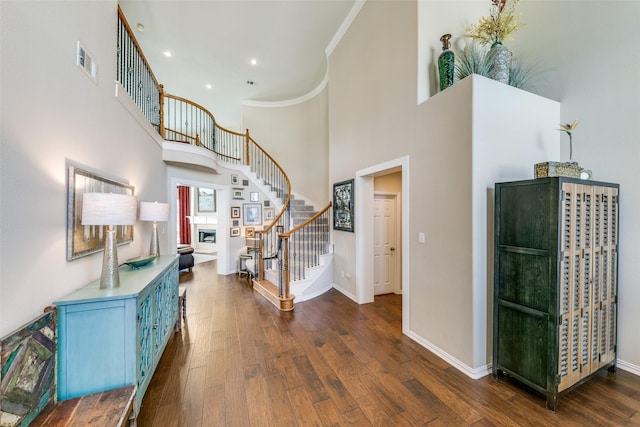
86	63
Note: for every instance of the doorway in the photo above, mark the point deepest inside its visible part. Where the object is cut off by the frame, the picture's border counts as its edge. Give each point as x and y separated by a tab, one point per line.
222	207
365	231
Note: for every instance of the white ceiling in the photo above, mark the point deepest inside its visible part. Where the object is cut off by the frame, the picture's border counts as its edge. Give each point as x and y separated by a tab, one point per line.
213	41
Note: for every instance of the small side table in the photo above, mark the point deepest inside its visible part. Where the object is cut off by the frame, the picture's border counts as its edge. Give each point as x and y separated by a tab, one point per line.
242	267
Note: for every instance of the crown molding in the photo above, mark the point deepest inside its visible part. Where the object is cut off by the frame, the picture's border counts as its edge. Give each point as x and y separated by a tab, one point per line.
348	20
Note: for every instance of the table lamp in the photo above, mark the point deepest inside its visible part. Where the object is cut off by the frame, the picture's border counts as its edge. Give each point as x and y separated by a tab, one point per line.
154	211
109	209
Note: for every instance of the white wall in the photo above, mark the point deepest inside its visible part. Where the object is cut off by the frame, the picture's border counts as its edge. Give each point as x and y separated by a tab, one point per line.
52	112
595	78
374	118
296	135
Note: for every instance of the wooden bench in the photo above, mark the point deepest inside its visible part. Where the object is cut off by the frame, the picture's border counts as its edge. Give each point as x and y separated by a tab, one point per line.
28	390
112	408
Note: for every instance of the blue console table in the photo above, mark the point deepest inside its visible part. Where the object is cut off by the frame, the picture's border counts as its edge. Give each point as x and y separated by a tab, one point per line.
110	338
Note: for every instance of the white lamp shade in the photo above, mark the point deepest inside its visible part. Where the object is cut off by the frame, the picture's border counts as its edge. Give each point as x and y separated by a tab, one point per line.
154	211
108	209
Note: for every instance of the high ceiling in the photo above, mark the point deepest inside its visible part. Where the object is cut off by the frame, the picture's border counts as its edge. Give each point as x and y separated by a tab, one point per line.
212	42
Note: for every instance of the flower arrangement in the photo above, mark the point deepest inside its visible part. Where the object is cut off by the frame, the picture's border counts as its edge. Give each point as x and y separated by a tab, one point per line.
568	128
499	26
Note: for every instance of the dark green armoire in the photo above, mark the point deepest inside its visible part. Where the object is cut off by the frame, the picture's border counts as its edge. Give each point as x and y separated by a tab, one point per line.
555	282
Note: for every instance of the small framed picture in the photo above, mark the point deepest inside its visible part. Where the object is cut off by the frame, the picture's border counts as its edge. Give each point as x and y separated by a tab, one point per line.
235	231
252	214
238	193
267	203
269	214
250	232
235	222
235	179
280	228
254	197
245	182
235	211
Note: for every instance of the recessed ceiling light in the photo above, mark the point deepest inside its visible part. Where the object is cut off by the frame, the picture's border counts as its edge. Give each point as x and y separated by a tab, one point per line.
140	27
208	86
167	53
254	62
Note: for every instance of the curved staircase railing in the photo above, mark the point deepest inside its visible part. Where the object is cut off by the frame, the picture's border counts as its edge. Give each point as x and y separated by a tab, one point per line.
304	244
180	120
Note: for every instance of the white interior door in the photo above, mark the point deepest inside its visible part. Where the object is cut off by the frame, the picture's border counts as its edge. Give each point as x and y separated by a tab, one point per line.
384	251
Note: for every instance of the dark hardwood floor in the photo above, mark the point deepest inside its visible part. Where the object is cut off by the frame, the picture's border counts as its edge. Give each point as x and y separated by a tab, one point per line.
240	362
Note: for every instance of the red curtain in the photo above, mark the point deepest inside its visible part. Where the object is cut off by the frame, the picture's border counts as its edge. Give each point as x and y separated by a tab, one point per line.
184	203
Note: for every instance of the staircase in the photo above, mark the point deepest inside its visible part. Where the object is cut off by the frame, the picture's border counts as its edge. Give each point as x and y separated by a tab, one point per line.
297	235
310	255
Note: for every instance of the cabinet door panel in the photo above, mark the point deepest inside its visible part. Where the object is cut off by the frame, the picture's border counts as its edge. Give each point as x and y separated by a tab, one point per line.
524	279
145	338
525	357
530	219
94	344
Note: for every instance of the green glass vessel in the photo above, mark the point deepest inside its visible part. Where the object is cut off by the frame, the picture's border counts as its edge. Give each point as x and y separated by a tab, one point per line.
446	62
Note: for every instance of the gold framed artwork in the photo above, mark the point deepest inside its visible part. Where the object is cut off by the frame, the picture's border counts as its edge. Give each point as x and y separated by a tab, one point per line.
83	240
235	211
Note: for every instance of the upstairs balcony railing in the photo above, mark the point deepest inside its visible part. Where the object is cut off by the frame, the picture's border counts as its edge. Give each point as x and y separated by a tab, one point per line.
180	120
135	75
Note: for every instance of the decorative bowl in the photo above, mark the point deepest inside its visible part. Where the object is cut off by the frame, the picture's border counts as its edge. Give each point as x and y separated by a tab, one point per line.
568	169
140	261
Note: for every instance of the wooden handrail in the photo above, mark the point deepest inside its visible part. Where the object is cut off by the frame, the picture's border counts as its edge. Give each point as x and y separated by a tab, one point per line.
224	155
182	134
286	177
288	234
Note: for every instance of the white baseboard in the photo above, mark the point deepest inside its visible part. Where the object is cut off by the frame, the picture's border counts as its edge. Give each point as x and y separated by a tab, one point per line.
474	373
629	367
346	293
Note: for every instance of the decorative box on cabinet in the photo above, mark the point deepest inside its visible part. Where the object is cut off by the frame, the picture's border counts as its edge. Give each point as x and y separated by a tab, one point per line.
110	338
555	282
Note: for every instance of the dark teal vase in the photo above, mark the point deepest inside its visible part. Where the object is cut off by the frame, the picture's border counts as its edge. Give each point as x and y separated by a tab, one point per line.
446	62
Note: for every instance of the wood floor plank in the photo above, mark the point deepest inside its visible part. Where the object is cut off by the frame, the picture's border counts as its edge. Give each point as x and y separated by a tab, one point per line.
193	397
303	408
343	400
375	404
289	403
213	411
258	399
238	361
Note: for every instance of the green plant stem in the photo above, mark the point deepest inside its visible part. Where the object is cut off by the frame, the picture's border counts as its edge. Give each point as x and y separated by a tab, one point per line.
570	147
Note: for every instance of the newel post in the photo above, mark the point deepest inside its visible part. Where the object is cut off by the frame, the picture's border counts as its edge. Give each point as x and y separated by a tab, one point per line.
161	126
260	258
285	266
246	149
